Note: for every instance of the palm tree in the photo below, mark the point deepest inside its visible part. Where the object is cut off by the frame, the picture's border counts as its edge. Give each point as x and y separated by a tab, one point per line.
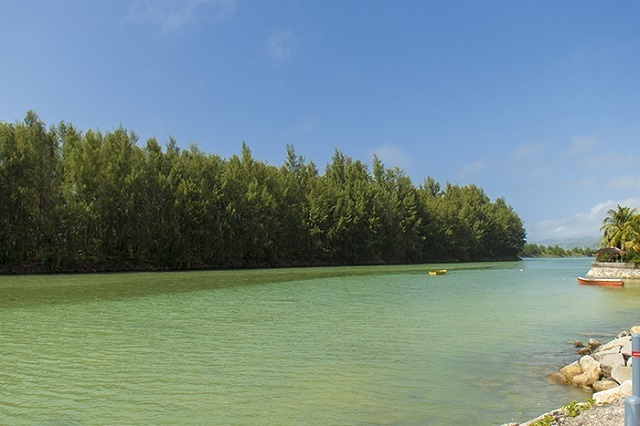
618	226
631	234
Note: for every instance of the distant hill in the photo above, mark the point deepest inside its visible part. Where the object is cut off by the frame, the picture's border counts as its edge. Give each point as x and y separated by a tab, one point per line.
584	242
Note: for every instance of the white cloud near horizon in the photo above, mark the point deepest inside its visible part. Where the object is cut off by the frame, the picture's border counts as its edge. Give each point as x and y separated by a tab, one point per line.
582	224
281	45
171	15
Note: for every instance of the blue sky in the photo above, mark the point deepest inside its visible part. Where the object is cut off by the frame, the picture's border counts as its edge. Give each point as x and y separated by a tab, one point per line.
535	101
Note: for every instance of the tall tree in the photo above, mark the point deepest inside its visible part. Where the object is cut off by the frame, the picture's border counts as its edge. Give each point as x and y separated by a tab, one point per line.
29	171
614	224
294	238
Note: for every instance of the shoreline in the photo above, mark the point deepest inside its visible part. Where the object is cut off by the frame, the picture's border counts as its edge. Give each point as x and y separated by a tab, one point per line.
37	268
605	369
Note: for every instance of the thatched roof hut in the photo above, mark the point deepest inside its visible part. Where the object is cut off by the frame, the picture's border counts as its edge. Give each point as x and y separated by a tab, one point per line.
613	251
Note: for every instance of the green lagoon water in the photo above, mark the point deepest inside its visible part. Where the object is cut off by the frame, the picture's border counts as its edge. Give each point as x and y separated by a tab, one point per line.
327	346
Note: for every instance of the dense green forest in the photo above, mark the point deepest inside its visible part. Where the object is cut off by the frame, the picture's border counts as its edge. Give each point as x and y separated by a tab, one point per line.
83	201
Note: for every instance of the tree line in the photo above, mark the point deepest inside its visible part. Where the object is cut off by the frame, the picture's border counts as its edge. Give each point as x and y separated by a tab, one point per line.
535	250
77	201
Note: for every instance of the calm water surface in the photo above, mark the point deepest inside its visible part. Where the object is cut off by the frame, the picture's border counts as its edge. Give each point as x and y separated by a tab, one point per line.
374	345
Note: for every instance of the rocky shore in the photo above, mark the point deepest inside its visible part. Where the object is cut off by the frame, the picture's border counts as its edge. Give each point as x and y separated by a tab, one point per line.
605	370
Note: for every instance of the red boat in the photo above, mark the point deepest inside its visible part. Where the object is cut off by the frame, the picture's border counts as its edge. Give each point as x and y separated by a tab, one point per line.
607	282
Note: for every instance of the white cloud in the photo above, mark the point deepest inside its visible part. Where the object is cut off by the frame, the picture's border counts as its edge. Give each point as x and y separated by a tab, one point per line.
393	156
541	172
281	45
530	160
168	16
474	168
610	162
527	152
582	182
626	182
581	145
582	224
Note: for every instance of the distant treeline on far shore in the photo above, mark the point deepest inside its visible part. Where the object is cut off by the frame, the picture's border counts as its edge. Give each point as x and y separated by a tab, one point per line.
85	201
534	250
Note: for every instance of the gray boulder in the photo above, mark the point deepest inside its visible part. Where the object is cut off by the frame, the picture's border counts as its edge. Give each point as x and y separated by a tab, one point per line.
610	350
609	361
616	342
621	374
610	395
626	349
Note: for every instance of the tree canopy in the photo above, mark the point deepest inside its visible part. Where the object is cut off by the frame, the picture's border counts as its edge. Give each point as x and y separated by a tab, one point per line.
72	200
621	229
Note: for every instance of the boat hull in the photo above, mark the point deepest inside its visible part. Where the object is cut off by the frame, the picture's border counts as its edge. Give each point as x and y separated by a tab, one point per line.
606	282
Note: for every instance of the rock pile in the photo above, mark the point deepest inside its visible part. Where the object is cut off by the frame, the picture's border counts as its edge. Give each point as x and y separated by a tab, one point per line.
603	369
